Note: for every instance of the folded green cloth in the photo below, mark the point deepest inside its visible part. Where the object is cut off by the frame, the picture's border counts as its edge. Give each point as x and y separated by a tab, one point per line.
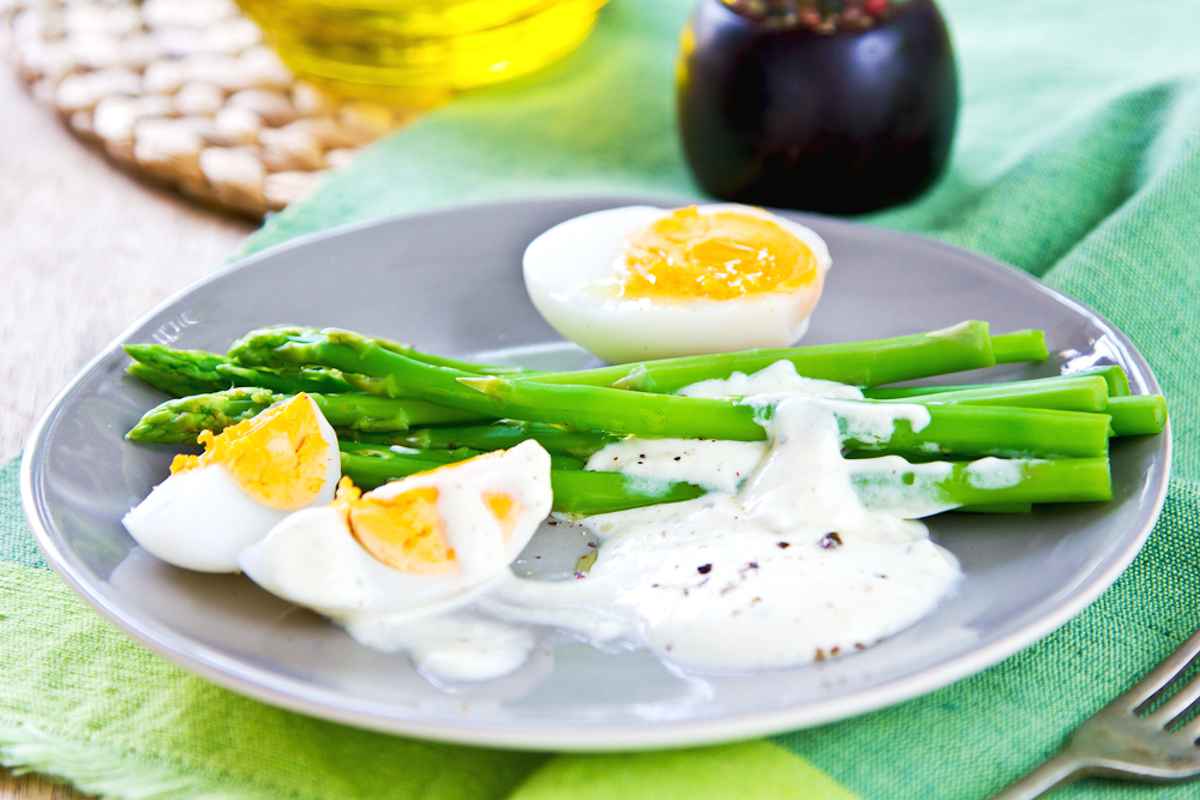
1078	159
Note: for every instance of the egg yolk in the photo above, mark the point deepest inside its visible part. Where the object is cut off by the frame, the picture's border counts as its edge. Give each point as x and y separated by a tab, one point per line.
717	255
406	531
279	457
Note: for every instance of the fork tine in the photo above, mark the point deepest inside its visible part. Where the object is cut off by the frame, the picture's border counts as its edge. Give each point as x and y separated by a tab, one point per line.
1178	704
1160	676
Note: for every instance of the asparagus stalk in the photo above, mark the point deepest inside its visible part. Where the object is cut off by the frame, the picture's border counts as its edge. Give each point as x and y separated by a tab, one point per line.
1017	346
300	332
1137	414
576	491
1113	375
1132	415
1072	480
582	444
188	372
447	456
181	420
866	363
177	372
293	381
171	383
965	430
1086	393
396	375
507	433
585	492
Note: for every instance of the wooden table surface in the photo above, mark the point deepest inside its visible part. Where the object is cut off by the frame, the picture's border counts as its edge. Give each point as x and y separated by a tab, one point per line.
87	250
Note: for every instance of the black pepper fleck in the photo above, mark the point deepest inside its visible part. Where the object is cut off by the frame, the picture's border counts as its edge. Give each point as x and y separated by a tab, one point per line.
830	540
678	458
704	569
783	545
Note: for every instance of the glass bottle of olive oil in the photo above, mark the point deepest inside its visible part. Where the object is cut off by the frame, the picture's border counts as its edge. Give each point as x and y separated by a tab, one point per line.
414	52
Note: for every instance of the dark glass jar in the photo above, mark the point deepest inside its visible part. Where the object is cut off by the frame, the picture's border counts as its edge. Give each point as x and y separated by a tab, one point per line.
847	119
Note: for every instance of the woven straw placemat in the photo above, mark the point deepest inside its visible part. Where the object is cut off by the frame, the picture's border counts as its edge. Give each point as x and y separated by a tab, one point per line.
185	92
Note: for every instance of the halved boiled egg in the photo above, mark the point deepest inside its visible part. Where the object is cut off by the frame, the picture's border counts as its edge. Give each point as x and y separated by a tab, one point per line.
250	476
411	545
641	282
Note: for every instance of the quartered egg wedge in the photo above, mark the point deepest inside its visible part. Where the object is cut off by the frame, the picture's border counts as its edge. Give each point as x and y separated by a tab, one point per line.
250	476
410	546
641	282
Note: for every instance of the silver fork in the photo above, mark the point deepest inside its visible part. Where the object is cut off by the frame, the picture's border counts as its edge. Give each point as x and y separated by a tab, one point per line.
1121	741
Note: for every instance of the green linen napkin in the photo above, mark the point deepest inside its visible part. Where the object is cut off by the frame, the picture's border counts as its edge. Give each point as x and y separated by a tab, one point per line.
1078	159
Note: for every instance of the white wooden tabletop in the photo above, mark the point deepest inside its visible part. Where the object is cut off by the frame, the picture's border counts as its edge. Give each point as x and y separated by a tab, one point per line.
86	250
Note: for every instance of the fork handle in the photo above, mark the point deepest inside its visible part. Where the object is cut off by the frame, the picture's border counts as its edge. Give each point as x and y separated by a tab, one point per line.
1060	770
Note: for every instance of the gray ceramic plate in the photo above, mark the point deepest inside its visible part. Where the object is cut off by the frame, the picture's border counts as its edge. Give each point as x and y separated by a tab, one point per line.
450	282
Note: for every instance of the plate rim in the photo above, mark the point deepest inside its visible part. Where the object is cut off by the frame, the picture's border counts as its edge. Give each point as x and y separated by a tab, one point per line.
296	695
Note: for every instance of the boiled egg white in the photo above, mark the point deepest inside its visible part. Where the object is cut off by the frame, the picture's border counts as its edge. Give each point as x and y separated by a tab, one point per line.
641	282
251	476
411	546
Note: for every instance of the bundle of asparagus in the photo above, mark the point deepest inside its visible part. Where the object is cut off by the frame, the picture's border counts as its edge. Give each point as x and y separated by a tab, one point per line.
399	411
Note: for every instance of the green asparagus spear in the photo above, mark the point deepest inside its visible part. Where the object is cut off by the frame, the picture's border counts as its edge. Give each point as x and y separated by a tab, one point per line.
1137	414
864	363
1132	415
882	482
1087	393
177	371
953	429
292	381
448	456
182	419
575	491
1113	375
1017	346
171	383
301	332
585	492
188	372
507	433
397	375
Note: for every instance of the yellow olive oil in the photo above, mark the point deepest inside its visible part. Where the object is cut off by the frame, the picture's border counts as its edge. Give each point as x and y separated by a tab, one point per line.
416	51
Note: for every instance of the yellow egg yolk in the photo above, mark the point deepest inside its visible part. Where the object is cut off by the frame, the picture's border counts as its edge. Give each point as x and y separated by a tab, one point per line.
718	255
406	531
279	457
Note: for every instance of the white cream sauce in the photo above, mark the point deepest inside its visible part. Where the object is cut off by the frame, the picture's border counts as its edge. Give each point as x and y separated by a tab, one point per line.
718	466
995	473
454	647
793	567
778	378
